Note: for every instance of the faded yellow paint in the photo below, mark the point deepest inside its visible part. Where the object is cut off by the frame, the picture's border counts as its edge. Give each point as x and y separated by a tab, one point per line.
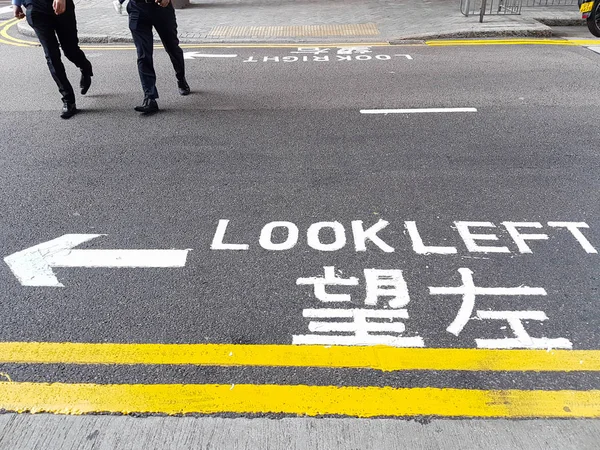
294	400
377	357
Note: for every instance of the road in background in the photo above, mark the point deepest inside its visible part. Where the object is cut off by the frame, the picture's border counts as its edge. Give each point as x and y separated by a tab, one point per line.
444	199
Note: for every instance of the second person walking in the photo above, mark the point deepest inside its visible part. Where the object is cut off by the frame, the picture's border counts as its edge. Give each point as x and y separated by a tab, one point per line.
160	14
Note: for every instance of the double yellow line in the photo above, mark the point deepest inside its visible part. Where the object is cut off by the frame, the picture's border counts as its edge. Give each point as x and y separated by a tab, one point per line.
358	401
6	38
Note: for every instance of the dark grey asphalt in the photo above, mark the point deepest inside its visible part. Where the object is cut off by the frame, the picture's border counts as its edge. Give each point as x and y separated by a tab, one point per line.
262	142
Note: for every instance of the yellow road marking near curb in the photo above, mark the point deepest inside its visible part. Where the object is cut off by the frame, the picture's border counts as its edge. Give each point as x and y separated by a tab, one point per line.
296	400
8	39
585	41
377	357
463	42
514	41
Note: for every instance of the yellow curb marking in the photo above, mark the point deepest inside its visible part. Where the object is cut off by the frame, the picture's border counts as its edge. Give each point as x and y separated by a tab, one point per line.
296	400
377	357
8	39
515	41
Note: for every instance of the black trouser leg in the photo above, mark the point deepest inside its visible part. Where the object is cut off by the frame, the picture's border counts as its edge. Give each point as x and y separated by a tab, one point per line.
66	30
44	26
140	24
166	27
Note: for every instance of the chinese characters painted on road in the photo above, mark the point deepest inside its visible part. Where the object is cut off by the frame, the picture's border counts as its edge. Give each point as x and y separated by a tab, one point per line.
380	322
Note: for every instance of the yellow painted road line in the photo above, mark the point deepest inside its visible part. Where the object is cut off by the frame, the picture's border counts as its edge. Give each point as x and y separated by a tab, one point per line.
8	39
378	357
171	399
515	41
585	41
2	41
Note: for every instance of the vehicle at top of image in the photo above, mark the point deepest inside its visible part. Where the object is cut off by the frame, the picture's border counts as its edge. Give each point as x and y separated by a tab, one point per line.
590	10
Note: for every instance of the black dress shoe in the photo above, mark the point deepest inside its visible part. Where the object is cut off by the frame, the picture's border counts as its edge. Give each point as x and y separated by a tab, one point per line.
149	106
184	88
85	82
68	111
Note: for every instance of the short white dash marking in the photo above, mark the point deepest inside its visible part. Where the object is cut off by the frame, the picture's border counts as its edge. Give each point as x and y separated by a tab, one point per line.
417	110
194	55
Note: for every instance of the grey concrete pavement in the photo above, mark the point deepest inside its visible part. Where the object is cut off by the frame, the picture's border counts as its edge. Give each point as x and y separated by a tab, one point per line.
214	21
212	433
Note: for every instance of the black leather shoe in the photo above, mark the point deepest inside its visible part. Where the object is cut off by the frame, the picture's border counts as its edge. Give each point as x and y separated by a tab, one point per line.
68	111
149	106
184	88
85	82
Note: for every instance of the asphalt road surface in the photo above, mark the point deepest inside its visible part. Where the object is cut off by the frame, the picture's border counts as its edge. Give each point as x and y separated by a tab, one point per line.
302	208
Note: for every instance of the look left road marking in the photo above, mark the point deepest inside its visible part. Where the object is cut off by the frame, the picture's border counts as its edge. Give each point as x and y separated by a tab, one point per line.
369	401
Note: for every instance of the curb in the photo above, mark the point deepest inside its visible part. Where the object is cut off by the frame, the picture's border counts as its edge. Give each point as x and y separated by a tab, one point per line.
474	34
562	22
542	30
25	30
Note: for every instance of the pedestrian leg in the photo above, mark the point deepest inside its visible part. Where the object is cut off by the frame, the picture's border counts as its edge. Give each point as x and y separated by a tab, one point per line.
44	27
140	25
166	27
66	31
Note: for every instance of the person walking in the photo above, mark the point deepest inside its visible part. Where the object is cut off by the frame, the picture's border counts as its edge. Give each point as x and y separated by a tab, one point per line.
160	14
54	23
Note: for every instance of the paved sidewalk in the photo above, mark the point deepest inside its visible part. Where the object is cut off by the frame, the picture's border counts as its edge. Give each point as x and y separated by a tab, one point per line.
212	21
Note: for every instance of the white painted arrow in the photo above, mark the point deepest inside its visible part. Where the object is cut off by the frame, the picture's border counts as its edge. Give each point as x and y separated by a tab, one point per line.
33	266
194	55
